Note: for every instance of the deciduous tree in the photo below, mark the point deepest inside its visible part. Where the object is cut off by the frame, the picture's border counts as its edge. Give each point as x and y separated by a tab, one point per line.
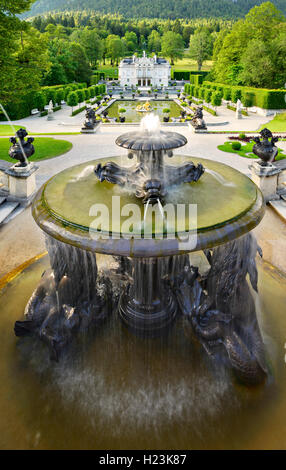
200	47
172	46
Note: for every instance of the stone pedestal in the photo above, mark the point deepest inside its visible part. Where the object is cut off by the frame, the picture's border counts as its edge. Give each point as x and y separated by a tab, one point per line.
4	182
87	131
84	130
50	116
22	183
281	165
266	178
238	114
198	131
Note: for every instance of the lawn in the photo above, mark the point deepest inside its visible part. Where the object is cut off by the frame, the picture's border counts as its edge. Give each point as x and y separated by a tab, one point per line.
191	65
6	129
45	147
110	71
246	150
278	123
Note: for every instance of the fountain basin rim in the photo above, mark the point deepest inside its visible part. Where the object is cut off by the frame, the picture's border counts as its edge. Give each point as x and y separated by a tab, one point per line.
140	247
144	141
65	216
83	228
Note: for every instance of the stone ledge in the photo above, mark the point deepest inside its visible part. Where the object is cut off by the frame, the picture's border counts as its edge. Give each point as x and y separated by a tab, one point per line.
280	208
280	164
23	201
264	170
5	165
22	172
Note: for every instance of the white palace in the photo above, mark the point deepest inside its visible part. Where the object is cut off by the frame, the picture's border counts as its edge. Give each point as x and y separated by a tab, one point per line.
144	71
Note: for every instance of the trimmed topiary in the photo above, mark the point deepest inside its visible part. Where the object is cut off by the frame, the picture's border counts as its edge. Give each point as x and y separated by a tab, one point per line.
227	93
236	145
216	98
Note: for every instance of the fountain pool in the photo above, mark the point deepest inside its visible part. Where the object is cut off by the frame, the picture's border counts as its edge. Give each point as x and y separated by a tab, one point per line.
132	115
135	338
121	391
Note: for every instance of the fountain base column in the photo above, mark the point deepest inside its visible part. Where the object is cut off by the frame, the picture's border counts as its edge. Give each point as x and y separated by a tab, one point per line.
148	304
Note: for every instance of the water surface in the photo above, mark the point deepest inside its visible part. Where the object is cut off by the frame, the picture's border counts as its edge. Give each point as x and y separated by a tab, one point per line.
132	115
120	391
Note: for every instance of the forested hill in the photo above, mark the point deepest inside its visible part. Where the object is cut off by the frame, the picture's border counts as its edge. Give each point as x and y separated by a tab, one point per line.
155	9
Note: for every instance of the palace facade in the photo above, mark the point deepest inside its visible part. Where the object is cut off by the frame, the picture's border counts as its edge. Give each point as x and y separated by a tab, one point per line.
144	71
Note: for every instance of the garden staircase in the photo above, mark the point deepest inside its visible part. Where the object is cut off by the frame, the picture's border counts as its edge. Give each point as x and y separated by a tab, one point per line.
8	210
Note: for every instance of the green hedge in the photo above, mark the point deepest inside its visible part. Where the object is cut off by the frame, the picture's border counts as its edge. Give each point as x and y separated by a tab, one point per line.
247	98
20	108
202	93
197	72
94	79
23	105
208	95
196	79
57	108
79	110
235	94
180	75
233	108
210	110
187	89
260	97
227	93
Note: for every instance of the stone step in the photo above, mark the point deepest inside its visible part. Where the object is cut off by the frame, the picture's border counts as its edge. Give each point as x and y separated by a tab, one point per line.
6	210
280	208
14	213
2	199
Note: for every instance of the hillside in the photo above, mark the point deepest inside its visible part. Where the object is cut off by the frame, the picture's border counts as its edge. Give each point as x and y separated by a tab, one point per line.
159	9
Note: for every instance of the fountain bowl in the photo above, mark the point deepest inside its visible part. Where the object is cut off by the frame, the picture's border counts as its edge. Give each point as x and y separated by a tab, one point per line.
61	211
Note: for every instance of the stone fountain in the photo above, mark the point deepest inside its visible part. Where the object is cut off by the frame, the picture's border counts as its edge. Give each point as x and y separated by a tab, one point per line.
187	251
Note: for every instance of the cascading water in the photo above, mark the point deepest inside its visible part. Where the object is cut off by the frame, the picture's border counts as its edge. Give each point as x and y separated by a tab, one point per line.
158	278
66	300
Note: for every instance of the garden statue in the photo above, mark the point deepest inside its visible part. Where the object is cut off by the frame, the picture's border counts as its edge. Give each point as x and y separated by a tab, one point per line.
238	109
265	149
50	111
21	150
198	119
89	119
